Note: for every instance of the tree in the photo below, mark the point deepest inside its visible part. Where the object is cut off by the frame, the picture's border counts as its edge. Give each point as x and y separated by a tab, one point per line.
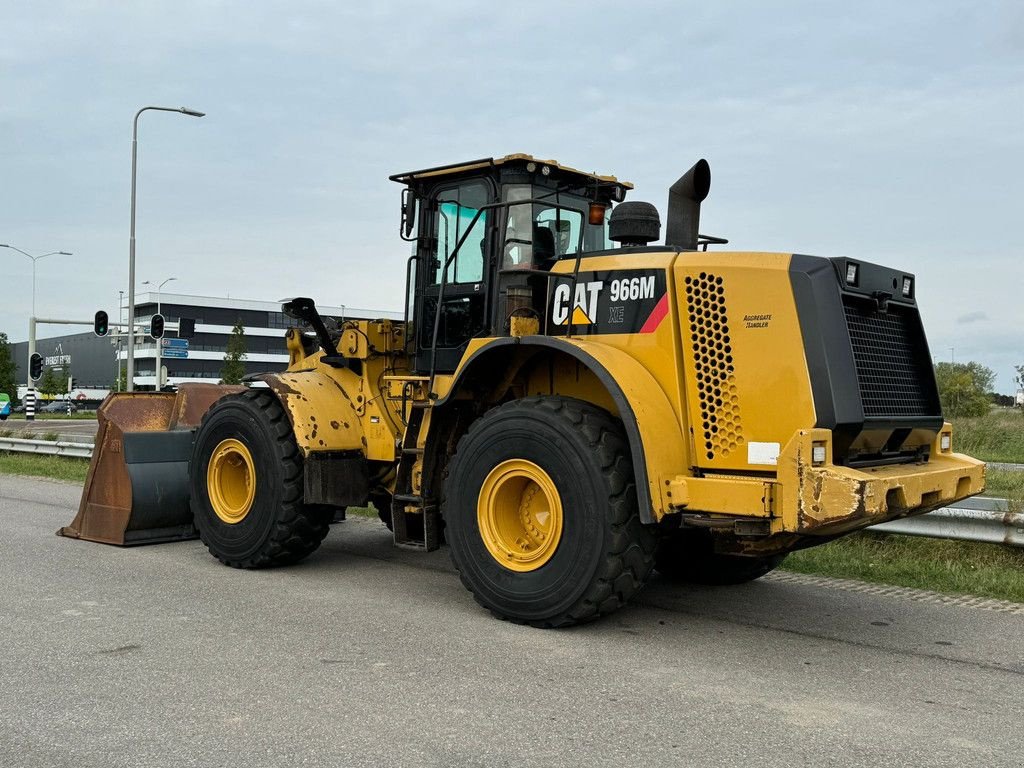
1019	378
8	368
964	388
53	382
234	368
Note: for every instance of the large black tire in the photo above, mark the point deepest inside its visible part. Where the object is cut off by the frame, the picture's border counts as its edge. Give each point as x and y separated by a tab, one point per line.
689	556
278	528
604	553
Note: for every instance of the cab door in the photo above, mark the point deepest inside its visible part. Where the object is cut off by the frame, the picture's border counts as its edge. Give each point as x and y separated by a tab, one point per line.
452	216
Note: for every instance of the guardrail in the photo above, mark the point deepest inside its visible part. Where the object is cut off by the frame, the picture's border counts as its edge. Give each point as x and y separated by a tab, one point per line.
1008	467
46	447
976	519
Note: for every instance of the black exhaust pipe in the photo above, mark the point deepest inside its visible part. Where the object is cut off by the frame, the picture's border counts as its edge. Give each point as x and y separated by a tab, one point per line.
684	199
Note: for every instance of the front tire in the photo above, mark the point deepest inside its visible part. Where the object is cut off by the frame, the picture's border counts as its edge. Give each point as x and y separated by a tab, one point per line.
541	513
246	485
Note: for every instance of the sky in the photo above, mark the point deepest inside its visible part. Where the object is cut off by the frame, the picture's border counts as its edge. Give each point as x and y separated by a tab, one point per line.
888	132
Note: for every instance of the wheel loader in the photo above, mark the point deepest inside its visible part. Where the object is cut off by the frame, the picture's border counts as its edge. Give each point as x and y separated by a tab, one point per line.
567	405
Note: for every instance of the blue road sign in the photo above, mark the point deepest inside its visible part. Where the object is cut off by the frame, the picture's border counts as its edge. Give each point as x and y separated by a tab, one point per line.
167	342
176	352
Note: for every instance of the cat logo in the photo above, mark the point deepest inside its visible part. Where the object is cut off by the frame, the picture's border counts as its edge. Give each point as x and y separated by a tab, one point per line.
584	305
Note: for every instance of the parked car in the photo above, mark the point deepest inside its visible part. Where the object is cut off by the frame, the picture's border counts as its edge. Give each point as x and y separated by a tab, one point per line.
58	406
5	406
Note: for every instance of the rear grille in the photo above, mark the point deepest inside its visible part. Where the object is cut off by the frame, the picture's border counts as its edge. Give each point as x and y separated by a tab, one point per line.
893	368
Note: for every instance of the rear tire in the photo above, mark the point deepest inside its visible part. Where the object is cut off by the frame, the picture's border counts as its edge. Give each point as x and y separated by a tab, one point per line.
249	440
689	556
561	469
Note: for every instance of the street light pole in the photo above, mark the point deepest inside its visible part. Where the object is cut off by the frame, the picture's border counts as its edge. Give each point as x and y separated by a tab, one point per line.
131	246
159	342
120	319
32	324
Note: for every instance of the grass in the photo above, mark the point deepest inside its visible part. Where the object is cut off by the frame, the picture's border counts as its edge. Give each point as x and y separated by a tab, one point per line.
1006	484
998	436
958	567
57	467
361	511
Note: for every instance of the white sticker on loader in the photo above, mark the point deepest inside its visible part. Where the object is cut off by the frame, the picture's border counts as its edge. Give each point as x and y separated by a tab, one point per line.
763	453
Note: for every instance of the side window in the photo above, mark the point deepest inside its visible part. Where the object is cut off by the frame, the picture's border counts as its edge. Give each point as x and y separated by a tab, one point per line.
565	226
457	218
538	233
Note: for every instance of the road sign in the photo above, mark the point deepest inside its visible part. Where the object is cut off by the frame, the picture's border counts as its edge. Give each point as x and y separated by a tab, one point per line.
169	342
175	352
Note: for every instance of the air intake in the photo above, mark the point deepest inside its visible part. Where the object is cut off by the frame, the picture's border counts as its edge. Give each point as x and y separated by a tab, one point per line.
634	224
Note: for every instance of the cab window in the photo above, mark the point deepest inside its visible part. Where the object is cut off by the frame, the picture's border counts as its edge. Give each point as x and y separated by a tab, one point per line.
456	217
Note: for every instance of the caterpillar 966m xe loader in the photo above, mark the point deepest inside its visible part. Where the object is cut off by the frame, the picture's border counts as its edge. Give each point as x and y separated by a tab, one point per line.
566	404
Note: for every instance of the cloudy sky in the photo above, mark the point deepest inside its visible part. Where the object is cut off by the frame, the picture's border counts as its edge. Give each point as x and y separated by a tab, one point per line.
891	133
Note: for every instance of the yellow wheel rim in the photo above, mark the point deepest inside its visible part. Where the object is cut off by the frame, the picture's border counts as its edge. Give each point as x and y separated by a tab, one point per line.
519	513
231	481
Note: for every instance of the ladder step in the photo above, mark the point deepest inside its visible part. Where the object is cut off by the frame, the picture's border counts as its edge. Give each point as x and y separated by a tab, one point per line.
410	498
412	451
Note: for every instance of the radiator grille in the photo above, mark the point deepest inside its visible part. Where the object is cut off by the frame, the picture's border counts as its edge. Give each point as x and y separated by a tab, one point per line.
713	364
893	369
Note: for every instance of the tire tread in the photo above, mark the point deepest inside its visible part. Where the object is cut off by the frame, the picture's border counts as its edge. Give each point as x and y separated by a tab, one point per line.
299	529
629	558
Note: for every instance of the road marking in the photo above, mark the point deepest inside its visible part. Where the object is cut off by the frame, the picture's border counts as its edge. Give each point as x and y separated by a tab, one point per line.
888	590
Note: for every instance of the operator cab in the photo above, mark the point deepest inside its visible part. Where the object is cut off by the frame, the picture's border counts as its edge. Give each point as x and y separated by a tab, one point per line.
486	234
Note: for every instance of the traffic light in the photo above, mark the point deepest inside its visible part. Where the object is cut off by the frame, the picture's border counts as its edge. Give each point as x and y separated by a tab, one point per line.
156	327
74	383
99	324
35	366
186	327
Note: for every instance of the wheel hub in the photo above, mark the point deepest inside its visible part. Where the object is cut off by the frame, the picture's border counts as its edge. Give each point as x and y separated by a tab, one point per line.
519	513
231	481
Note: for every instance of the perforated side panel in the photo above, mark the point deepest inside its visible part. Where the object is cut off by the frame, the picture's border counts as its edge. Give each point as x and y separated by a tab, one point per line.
713	364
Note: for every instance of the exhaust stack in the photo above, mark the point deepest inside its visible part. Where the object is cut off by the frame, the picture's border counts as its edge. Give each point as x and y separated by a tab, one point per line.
684	199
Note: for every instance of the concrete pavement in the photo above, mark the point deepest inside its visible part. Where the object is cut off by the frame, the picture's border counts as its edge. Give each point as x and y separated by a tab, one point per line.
365	655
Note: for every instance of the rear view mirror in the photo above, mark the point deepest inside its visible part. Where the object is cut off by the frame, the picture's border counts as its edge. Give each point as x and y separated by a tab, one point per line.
408	213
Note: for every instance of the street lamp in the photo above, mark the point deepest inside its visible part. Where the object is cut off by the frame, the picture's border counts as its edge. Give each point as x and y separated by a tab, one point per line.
34	260
159	377
131	247
32	335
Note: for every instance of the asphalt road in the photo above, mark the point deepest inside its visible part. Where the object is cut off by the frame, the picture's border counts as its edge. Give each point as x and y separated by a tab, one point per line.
363	655
72	430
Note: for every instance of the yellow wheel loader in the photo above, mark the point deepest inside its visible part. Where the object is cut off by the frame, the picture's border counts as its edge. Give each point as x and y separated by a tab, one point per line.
566	404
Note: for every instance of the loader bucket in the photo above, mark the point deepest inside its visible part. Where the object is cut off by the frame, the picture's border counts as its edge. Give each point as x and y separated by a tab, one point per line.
136	491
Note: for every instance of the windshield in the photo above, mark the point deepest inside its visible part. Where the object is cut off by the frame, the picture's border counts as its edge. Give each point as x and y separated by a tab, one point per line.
538	233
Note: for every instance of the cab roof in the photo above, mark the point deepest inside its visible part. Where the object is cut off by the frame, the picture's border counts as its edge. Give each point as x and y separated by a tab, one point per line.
516	159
